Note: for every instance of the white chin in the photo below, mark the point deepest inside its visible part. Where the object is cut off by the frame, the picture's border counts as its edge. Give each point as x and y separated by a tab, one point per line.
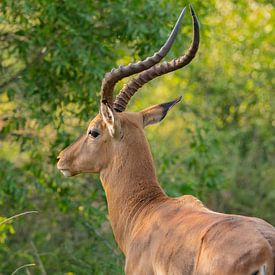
66	173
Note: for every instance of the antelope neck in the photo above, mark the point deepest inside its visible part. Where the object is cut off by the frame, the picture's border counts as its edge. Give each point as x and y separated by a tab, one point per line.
131	189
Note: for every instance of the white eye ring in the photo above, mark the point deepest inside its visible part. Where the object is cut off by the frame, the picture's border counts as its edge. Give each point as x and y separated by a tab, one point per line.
94	133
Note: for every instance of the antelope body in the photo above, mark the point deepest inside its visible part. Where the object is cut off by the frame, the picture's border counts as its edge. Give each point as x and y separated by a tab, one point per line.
158	234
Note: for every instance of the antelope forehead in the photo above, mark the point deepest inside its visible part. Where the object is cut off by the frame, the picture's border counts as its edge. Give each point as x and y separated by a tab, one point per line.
97	122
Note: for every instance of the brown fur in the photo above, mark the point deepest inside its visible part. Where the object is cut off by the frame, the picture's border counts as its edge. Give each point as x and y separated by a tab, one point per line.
162	235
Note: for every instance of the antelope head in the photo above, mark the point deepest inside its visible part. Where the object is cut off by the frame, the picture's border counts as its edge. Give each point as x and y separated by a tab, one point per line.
113	130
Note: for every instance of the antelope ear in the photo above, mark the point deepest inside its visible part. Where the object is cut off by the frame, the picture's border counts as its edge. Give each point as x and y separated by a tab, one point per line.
156	113
109	117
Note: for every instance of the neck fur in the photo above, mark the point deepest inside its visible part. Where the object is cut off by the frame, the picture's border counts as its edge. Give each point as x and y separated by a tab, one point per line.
131	186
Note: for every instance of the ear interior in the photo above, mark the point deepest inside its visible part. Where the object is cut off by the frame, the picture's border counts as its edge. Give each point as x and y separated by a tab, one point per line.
158	112
108	117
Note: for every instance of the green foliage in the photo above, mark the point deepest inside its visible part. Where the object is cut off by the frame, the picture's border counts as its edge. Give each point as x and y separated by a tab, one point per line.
217	144
5	230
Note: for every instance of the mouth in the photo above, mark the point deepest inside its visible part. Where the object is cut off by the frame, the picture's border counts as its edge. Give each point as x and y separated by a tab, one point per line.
66	172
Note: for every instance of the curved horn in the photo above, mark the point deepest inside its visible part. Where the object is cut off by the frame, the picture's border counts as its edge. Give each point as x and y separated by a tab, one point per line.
130	89
111	78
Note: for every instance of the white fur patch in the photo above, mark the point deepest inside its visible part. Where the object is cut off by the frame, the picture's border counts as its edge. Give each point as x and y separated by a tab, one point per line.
66	173
262	270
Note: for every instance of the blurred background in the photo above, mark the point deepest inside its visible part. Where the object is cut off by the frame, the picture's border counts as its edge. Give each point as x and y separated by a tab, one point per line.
217	144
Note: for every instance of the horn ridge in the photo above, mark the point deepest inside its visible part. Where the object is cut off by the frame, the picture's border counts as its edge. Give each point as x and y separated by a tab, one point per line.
159	69
111	78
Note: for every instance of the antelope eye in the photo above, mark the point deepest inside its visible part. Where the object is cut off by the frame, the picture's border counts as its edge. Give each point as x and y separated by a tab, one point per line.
94	133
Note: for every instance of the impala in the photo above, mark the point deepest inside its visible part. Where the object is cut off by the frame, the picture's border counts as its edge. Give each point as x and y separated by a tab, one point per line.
158	234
